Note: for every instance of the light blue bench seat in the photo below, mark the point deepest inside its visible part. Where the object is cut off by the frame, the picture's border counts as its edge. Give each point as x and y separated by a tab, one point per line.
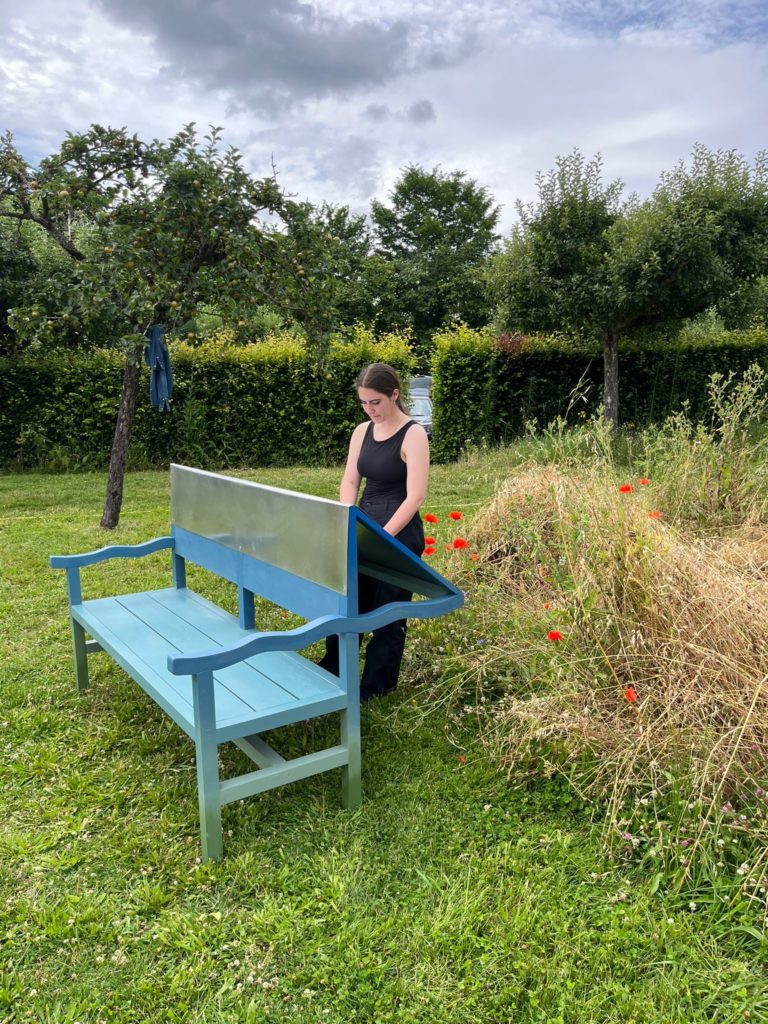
220	678
141	631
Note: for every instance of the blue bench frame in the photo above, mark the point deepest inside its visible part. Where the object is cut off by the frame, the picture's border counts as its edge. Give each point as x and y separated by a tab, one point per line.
222	680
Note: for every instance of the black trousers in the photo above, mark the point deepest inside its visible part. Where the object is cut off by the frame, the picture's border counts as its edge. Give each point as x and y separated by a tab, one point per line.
384	650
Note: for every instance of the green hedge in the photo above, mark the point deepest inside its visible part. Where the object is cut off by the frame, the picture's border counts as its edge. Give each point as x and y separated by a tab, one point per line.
265	404
270	404
485	391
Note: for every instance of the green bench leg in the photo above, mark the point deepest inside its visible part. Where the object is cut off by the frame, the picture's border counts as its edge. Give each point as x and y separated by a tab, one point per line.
81	655
206	749
351	781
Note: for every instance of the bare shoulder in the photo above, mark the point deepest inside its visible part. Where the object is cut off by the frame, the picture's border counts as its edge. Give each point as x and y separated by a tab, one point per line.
359	433
417	431
415	440
356	440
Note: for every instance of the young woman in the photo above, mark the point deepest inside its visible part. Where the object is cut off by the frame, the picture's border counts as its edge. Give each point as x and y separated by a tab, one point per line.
391	452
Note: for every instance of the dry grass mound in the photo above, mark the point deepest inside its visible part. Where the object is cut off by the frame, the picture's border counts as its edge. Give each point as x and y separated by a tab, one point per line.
637	650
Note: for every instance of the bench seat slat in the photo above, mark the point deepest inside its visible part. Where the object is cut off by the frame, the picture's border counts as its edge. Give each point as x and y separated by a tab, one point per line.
149	648
141	630
152	681
179	628
287	669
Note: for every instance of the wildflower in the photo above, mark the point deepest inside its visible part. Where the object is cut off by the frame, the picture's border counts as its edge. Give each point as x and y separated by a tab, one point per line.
547	605
625	489
429	551
447	547
627	837
462	759
654	515
454	515
429	541
430	518
631	694
643	481
460	543
692	905
554	634
474	556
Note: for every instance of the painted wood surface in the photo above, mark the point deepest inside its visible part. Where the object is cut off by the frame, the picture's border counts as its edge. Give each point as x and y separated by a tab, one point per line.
220	679
141	631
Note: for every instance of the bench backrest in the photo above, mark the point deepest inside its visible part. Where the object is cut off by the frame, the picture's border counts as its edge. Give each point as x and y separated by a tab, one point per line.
293	549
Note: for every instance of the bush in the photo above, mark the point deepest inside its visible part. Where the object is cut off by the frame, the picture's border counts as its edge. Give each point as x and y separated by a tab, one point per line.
486	388
265	404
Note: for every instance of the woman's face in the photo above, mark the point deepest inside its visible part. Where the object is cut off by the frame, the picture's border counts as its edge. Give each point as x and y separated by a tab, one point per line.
378	406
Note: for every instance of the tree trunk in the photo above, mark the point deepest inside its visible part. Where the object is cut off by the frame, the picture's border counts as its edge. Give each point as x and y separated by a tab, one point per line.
610	339
114	499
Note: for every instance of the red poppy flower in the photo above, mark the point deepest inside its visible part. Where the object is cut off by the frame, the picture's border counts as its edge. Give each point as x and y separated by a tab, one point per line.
547	604
454	515
430	518
654	515
630	694
625	489
462	759
474	556
643	481
429	540
429	551
460	543
447	547
554	634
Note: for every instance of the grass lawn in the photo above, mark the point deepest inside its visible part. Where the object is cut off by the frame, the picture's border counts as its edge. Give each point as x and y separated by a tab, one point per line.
451	895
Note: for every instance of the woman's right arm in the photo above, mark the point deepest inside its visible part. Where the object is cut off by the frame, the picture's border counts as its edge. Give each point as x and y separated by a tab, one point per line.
350	482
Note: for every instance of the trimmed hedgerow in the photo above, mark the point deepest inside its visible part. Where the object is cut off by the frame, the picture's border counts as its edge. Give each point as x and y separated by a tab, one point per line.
265	404
487	387
271	404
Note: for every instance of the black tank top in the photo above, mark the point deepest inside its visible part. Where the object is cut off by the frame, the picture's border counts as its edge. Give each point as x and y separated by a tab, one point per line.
380	463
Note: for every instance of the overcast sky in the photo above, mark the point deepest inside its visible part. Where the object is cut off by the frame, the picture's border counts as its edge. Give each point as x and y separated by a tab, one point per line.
342	94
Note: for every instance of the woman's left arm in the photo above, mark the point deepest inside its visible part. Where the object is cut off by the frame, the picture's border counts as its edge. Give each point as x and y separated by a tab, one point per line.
415	451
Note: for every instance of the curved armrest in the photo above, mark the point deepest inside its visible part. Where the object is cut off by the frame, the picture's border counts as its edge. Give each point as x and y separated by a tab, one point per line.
114	551
303	636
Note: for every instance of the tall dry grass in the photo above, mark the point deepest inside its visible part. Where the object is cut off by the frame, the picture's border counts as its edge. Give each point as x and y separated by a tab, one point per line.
679	619
627	627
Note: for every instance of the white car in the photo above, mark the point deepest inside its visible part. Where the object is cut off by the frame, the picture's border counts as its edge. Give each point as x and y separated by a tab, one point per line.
420	401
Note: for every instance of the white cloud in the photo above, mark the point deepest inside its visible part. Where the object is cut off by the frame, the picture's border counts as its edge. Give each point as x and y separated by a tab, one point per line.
495	89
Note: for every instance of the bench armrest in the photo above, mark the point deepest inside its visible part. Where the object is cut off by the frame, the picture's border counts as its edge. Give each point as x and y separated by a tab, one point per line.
114	551
303	636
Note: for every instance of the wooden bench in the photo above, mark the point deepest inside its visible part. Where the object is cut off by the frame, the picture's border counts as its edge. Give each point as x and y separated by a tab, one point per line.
217	676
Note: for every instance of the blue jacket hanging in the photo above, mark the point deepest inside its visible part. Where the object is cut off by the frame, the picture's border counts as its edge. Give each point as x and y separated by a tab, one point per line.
160	379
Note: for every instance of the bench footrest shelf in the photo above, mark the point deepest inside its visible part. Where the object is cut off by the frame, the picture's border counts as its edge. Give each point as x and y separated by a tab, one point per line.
281	774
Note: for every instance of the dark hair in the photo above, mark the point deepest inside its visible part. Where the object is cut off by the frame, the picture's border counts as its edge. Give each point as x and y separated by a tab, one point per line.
383	378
